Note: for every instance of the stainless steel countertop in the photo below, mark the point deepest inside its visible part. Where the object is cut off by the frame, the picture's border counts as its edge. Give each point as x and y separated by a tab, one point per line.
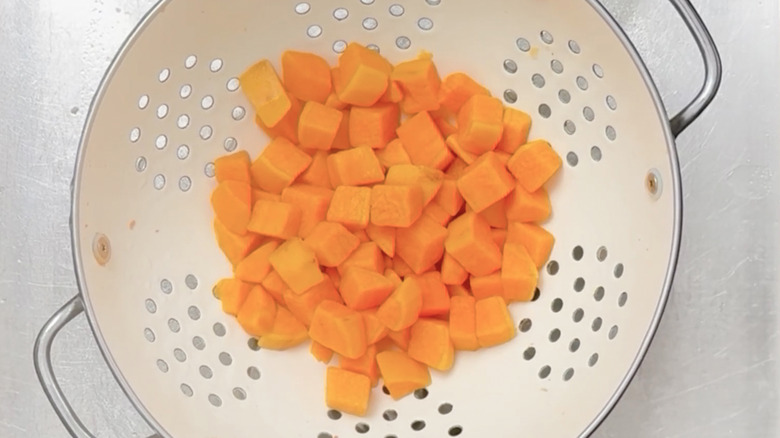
712	370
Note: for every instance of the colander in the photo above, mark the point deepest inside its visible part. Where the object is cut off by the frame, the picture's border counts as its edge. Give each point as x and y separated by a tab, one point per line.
146	258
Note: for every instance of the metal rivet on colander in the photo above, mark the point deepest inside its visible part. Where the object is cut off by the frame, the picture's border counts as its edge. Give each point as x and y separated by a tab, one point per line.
425	23
598	295
186	390
598	71
314	31
239	393
588	114
367	2
238	113
403	42
340	14
361	428
523	44
525	325
143	102
433	2
151	306
101	249
180	355
339	46
455	431
135	135
544	372
182	152
206	132
529	353
396	10
370	23
164	75
546	37
601	253
618	271
574	47
510	66
252	344
185	91
159	181
596	324
622	299
149	335
215	400
568	374
418	425
577	253
232	84
166	286
253	373
593	360
190	61
162	365
209	170
545	111
207	102
198	343
564	96
510	96
595	153
421	393
302	8
160	142
582	83
162	111
390	415
572	159
334	414
555	335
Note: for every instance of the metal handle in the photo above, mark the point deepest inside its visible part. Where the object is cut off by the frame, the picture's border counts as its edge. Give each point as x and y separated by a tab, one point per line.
713	69
45	372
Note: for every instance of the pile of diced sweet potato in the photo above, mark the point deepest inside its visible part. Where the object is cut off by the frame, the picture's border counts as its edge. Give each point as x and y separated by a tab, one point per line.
391	219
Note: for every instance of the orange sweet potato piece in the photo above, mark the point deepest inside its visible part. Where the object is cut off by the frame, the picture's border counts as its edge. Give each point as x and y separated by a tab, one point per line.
435	296
429	179
419	80
533	164
375	330
402	308
456	89
235	246
304	305
313	202
258	313
452	273
317	172
297	265
494	324
347	391
499	236
396	206
355	167
318	126
362	235
384	237
274	285
232	293
306	76
364	289
365	364
516	127
519	273
401	267
422	244
286	333
454	144
430	344
458	290
333	100
463	323
278	165
394	153
394	94
445	121
437	214
374	126
401	337
495	215
233	167
423	142
401	374
275	219
331	242
456	169
367	256
480	124
471	244
339	328
391	275
288	126
485	182
262	87
449	197
261	195
487	286
255	267
320	352
362	77
232	204
350	206
538	241
522	206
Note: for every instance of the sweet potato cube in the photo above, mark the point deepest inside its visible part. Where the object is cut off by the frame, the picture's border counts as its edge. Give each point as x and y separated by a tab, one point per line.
522	206
499	236
396	206
394	94
384	237
533	164
394	153
232	293
538	241
419	80
422	244
456	169
365	364
457	290
255	267
485	182
517	124
278	165
306	76
318	126
452	273
313	203
274	285
423	142
288	126
304	305
454	144
350	206
367	256
401	374
320	352
258	313
331	243
437	214
286	333
262	195
235	246
232	204
339	328
495	215
435	296
362	77
362	235
493	322
317	172
347	391
373	127
487	286
297	265
519	273
401	267
429	179
355	167
471	244
463	323
233	167
430	344
402	308
449	197
391	275
364	289
480	124
375	330
265	92
333	100
456	89
275	219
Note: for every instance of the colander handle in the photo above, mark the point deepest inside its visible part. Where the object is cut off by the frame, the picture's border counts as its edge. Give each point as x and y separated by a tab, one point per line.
45	372
713	69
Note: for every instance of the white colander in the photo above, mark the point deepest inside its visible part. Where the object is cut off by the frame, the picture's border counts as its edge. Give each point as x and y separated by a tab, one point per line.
146	257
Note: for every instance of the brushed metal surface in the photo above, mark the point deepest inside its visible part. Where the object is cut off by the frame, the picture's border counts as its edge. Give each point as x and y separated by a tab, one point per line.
712	370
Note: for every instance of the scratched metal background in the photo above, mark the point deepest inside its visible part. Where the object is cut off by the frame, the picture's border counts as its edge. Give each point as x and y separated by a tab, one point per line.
712	371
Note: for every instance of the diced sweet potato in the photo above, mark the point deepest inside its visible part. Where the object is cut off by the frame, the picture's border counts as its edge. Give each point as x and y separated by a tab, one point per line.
375	330
424	143
516	127
332	243
495	215
485	182
454	144
347	391
313	203
480	124
339	328
522	206
422	244
471	244
458	290
373	127
394	153
235	246
297	265
449	197
365	364
487	286
232	204
452	272
519	274
429	179
367	256
402	307
258	312
233	167
396	206
320	352
435	212
350	206
317	172
435	296
275	219
533	164
355	167
288	126
538	241
306	76
384	237
401	338
265	91
463	330
232	293
304	305
278	165
456	89
362	77
318	126
494	324
430	344
275	286
364	289
255	267
419	81
286	333
401	374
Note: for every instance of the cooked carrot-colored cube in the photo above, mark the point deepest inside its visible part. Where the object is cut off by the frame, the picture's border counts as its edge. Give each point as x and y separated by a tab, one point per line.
480	124
365	364
278	165
232	204
331	243
233	167
232	293
522	206
355	167
494	324
422	244
435	296
499	236
519	273
362	235
384	237
367	256
454	144
317	172
392	275
375	330
487	286
394	94
485	182
255	266
401	337
430	344
456	89
341	141
373	127
402	308
262	195
320	352
452	273
275	219
423	142
318	126
419	81
445	121
297	265
339	328
350	206
458	290
495	215
463	323
364	289
437	213
288	126
516	127
265	91
347	391
429	179
304	305
449	197
313	202
258	313
333	100
306	76
235	246
401	374
394	153
401	267
456	169
362	77
396	206
533	164
471	244
274	285
538	241
286	333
